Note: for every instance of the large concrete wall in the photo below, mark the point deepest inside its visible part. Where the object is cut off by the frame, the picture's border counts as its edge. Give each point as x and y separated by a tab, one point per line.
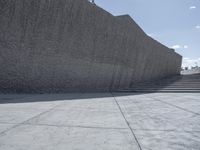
73	45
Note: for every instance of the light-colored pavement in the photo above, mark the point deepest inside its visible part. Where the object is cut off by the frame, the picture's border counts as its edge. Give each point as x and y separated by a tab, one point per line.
101	121
189	72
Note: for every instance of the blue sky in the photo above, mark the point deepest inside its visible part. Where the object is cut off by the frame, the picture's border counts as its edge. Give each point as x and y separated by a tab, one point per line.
175	23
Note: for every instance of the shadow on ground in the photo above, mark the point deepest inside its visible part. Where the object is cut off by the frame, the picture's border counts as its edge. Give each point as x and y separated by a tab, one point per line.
187	83
28	98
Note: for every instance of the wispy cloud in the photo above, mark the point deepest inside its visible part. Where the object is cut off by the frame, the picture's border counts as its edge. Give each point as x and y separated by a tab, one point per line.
177	46
192	7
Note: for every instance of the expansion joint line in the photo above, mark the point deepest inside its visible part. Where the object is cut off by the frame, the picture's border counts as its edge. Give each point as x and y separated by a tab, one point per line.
128	124
178	107
25	122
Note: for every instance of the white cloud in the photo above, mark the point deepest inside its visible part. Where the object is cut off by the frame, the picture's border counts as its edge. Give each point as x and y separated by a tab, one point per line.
185	46
187	62
192	7
150	34
176	47
197	27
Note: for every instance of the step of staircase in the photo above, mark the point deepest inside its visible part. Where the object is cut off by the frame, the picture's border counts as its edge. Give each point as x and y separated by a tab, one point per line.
177	84
162	91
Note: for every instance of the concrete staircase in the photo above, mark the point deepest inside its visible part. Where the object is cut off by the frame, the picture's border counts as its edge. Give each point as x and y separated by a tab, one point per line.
178	84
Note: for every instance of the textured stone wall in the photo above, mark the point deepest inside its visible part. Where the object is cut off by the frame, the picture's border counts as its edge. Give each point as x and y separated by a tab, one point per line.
73	45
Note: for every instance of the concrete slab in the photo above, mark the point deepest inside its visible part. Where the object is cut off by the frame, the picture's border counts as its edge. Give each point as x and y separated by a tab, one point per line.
64	138
81	117
145	112
167	121
168	140
187	102
99	121
23	107
103	102
143	105
4	127
17	115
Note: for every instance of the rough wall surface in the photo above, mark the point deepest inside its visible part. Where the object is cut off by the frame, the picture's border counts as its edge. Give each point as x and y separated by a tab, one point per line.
73	45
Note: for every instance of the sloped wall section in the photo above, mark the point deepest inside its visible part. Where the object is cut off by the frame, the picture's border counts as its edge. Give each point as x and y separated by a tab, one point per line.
75	46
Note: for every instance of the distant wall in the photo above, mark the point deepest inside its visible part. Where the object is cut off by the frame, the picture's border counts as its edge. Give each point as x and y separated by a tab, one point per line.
73	45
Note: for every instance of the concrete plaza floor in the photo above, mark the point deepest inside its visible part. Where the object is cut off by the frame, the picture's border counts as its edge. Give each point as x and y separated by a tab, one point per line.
100	121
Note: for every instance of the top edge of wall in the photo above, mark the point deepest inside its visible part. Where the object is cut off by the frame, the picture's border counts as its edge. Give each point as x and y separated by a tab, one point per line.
128	18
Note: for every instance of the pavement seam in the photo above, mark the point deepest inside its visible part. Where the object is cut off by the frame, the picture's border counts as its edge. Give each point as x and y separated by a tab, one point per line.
164	130
186	110
127	122
106	128
76	126
22	123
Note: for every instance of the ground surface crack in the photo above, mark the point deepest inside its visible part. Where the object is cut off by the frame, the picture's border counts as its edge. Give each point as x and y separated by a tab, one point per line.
127	122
